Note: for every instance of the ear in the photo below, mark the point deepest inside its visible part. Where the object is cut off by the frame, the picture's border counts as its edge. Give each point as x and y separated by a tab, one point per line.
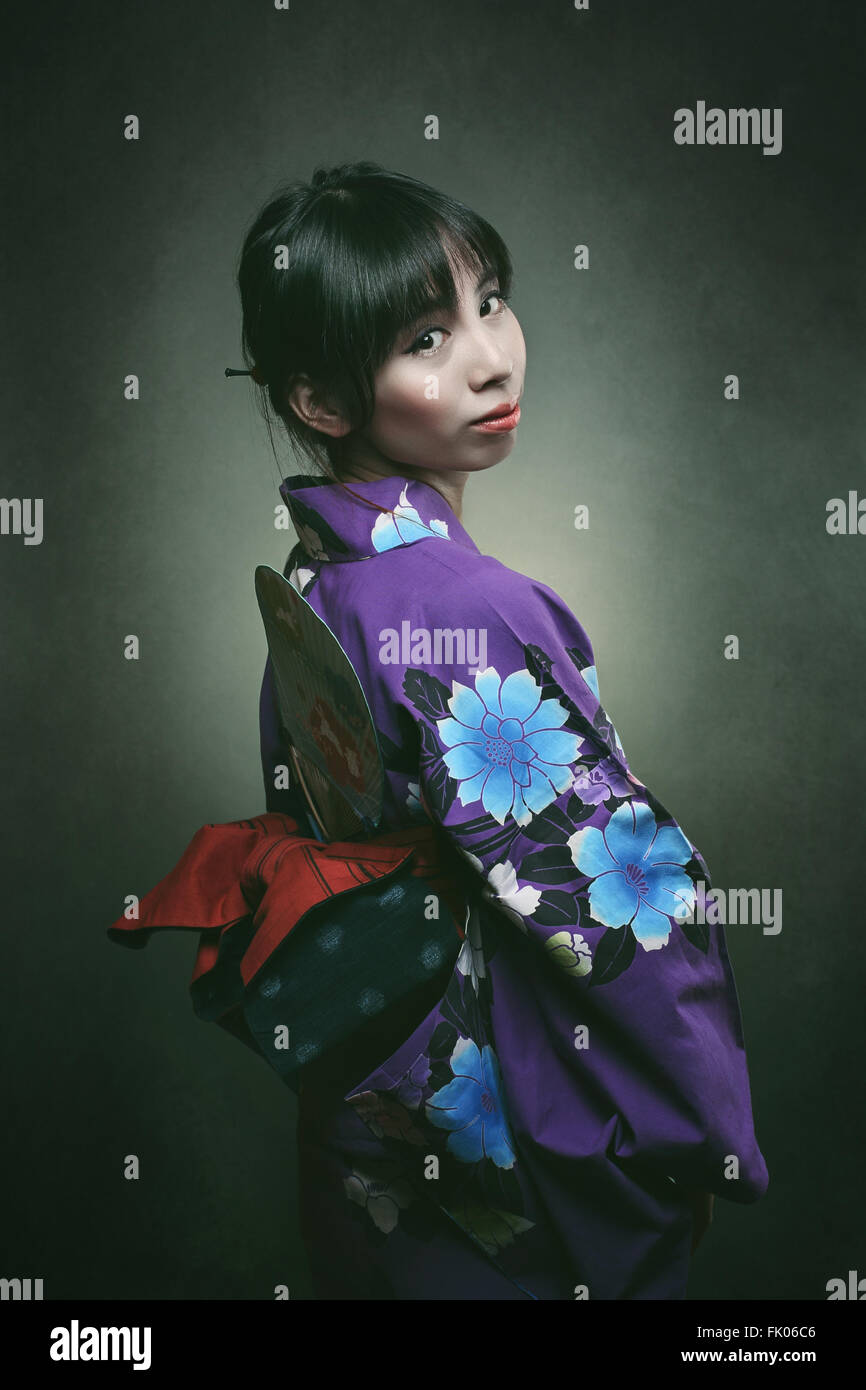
311	407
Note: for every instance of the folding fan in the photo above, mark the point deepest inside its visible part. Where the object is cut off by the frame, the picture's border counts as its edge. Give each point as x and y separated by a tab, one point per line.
323	710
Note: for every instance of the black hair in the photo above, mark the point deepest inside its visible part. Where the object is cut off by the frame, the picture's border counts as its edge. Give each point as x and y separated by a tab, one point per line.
366	253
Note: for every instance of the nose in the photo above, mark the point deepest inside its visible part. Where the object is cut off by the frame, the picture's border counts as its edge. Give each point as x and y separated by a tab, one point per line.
491	358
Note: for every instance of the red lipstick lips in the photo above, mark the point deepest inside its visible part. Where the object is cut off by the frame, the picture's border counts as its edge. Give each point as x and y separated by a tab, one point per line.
503	417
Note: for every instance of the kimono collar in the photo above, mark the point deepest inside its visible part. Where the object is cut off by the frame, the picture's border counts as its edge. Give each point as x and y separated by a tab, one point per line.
336	524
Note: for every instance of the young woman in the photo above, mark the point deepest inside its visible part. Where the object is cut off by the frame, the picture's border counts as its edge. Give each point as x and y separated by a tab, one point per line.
554	1124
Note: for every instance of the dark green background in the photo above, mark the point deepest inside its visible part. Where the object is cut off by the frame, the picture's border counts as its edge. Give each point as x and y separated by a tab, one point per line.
707	518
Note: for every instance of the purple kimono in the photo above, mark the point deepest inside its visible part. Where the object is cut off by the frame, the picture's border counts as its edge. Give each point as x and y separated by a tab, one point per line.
533	1136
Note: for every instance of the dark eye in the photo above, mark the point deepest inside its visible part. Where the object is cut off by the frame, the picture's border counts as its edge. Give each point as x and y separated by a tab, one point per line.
418	348
496	294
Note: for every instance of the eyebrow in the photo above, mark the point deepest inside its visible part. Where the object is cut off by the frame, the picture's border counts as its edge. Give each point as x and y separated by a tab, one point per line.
438	306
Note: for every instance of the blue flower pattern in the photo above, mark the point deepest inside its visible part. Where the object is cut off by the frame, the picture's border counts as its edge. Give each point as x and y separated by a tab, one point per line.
637	871
471	1107
506	747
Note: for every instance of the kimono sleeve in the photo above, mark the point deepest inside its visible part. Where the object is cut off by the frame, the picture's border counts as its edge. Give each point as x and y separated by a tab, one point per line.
521	766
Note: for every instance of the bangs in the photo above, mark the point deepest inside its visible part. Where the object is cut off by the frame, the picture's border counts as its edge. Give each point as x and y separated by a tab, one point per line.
395	261
421	280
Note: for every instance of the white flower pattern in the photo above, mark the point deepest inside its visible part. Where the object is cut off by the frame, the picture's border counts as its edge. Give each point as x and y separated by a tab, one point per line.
503	892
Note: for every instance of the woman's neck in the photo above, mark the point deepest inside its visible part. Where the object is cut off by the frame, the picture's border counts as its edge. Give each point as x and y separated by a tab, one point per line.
449	483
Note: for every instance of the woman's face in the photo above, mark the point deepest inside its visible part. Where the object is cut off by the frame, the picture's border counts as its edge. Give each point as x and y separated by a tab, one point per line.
444	373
